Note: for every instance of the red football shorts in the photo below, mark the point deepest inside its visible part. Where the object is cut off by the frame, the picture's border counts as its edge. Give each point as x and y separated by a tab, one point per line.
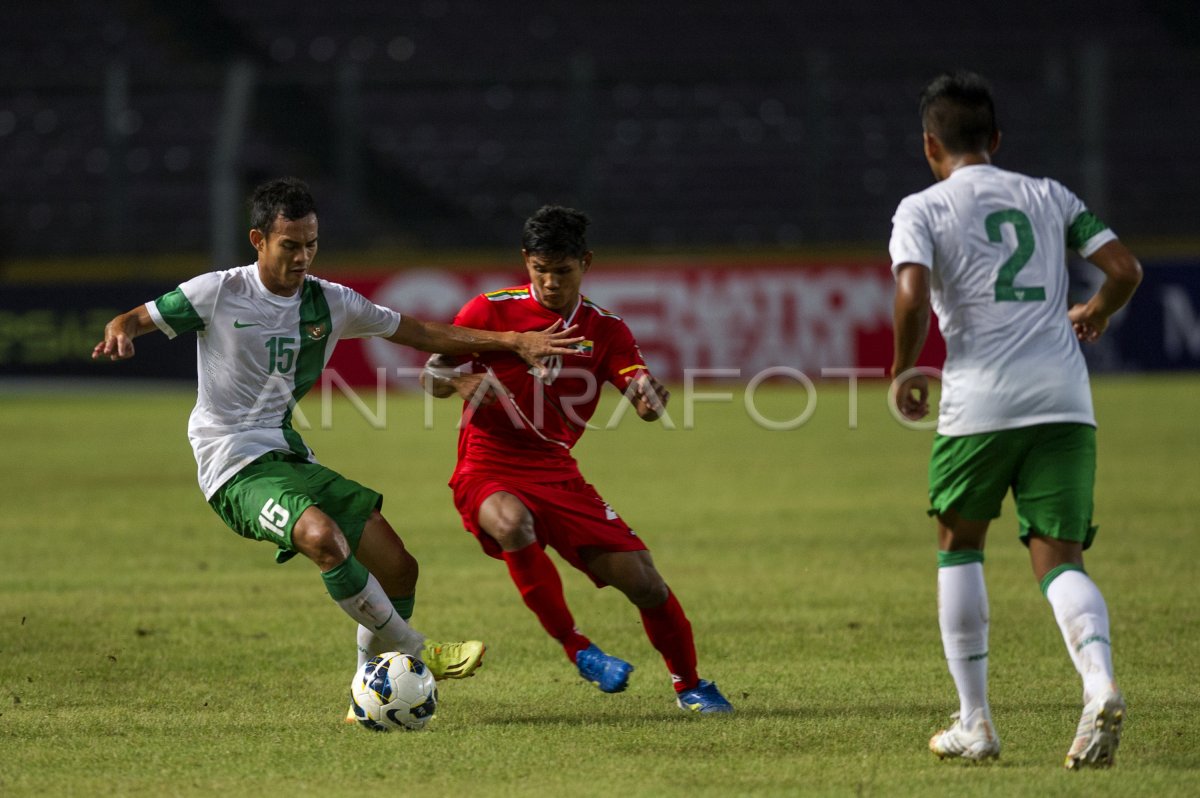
567	516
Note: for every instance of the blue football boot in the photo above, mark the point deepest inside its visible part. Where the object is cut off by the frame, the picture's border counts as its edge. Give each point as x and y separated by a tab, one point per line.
610	674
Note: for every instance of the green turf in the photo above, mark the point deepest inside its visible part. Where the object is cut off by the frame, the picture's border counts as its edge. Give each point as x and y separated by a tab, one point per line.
146	650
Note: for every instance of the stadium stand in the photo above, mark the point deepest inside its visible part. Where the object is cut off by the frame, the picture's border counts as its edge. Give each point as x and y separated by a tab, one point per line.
443	122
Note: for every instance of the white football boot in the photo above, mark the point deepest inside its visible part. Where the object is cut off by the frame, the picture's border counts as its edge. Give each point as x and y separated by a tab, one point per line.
974	739
1099	732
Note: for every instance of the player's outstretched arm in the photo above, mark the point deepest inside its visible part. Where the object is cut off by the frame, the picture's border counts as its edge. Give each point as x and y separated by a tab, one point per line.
1122	275
450	339
120	332
910	324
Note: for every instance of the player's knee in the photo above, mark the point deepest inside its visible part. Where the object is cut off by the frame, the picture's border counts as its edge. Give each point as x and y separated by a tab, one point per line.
512	530
320	539
649	591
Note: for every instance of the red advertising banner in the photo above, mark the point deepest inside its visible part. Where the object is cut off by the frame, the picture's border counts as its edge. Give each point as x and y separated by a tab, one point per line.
748	318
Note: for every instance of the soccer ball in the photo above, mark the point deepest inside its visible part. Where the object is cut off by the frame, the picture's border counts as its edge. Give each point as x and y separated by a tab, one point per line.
393	691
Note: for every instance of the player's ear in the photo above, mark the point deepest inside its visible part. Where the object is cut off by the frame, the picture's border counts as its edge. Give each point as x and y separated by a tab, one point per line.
933	147
586	261
257	239
994	144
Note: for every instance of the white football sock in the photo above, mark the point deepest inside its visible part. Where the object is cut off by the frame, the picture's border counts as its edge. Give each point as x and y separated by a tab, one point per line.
369	645
963	618
1082	616
373	609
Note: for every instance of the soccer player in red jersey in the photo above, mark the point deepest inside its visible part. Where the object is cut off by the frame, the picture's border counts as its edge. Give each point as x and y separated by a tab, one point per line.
516	484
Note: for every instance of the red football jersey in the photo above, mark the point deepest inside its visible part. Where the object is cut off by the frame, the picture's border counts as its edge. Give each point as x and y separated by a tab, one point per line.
530	432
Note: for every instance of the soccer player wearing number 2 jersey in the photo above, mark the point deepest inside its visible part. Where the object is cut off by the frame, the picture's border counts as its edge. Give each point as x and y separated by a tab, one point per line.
264	332
987	249
517	486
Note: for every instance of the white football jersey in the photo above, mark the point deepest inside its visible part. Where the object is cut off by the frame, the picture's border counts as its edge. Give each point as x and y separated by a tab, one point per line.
258	353
995	243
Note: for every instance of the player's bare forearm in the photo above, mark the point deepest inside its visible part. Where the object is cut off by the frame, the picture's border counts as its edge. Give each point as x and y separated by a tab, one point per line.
910	316
910	326
120	332
450	339
1122	275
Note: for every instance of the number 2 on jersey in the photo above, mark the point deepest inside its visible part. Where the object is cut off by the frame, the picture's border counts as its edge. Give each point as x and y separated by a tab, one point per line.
1005	290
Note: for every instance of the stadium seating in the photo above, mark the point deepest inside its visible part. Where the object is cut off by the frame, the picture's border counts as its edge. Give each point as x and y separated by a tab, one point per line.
674	124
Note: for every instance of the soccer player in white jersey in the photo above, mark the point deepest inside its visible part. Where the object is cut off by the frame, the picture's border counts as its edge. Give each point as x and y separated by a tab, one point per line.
987	249
264	333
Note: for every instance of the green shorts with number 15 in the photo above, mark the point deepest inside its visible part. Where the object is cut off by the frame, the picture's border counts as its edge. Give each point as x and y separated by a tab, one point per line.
264	500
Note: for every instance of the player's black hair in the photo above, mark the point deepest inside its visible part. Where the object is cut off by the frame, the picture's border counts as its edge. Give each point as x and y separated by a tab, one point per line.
288	197
957	107
556	231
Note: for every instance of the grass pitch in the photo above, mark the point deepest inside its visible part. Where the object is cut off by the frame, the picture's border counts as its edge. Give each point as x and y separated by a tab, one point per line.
147	650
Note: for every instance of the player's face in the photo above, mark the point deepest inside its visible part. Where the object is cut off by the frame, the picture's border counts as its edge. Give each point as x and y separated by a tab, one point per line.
556	281
286	253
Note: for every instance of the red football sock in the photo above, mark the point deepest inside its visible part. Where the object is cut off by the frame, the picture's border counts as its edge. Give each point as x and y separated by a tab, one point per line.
671	633
534	574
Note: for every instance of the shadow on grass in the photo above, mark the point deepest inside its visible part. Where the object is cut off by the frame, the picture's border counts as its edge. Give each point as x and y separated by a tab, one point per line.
747	711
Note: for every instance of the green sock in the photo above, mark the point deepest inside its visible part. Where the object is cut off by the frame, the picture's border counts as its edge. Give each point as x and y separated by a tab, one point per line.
1054	573
404	605
345	579
947	559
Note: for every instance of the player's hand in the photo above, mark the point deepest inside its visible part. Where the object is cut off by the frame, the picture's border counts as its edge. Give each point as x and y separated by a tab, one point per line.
1088	326
534	345
649	397
117	343
911	396
475	388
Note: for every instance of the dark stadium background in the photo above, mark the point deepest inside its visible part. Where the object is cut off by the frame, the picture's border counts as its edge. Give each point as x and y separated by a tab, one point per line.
732	136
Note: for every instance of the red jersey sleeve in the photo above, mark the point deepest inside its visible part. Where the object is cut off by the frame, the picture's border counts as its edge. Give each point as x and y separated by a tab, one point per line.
623	362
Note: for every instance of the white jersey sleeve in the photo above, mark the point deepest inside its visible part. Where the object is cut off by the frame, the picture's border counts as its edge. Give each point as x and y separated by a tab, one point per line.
189	308
912	238
355	316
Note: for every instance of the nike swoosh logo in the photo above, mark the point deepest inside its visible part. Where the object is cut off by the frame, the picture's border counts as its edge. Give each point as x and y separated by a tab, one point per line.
238	325
385	623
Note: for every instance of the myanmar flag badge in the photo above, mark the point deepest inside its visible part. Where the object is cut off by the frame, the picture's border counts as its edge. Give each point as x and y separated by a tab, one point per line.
584	348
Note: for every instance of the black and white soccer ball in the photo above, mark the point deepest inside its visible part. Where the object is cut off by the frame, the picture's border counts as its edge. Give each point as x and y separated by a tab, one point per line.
393	691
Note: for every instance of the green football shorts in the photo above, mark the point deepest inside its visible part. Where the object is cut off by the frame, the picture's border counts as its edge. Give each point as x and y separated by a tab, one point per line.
1051	469
264	500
